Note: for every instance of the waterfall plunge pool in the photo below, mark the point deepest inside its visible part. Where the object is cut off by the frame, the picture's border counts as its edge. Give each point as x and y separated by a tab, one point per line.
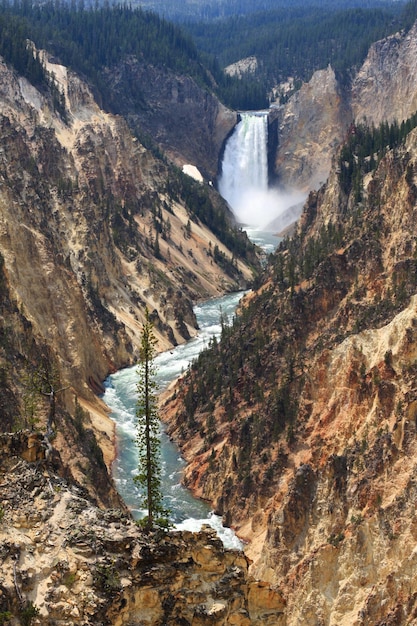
244	180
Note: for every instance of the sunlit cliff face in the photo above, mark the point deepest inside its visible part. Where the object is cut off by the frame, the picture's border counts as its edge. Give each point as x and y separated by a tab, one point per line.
329	516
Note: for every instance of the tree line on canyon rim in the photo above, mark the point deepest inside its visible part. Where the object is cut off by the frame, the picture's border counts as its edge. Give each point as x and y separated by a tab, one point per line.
287	41
296	41
89	40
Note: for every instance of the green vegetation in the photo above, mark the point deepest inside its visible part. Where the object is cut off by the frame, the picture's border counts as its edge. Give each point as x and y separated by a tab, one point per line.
297	258
258	365
202	209
147	434
238	371
215	10
41	381
89	40
295	41
364	149
28	613
107	579
335	539
69	579
287	41
5	616
16	50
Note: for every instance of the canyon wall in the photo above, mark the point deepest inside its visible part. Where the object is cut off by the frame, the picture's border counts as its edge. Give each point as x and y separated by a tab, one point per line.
309	128
94	229
306	445
187	122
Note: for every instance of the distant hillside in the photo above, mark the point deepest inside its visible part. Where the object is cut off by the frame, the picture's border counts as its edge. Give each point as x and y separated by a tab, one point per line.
297	40
91	39
287	40
194	10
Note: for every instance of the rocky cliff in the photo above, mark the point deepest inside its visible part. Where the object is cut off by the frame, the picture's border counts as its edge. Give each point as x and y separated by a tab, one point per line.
186	121
315	120
64	561
94	229
308	129
306	445
385	87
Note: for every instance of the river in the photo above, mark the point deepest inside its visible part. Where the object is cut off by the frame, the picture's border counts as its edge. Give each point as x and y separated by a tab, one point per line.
120	395
186	511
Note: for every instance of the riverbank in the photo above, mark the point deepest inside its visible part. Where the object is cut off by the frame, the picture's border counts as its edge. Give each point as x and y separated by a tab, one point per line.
120	396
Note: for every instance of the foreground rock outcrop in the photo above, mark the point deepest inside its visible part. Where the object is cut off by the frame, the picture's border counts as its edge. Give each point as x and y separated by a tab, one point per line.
65	561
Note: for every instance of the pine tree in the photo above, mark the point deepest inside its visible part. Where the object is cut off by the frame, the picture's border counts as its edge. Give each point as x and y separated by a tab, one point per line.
147	435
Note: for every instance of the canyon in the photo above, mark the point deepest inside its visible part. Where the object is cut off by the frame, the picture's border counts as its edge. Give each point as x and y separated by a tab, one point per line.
91	234
309	454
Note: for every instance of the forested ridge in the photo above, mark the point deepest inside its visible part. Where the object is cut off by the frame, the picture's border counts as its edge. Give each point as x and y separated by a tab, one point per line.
287	41
365	147
91	39
296	41
193	10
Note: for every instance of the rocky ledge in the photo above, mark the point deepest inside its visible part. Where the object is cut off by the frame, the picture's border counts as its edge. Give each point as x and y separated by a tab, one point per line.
65	561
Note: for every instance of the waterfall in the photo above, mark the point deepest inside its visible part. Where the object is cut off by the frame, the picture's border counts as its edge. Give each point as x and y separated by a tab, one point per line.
245	161
244	178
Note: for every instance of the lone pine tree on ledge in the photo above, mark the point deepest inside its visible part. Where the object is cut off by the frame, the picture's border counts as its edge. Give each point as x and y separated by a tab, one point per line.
147	433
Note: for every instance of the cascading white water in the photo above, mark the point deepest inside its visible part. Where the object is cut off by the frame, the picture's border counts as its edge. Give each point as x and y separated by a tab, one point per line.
244	178
245	161
186	512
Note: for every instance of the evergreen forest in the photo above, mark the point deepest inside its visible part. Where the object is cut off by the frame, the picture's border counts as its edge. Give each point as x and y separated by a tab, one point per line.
91	39
209	10
287	41
296	41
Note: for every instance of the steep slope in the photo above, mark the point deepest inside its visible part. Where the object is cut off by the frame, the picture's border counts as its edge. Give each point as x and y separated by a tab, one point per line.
385	87
308	130
64	561
300	425
315	120
93	229
186	121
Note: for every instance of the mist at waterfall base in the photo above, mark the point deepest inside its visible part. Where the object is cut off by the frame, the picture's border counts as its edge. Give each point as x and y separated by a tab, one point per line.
244	179
187	512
